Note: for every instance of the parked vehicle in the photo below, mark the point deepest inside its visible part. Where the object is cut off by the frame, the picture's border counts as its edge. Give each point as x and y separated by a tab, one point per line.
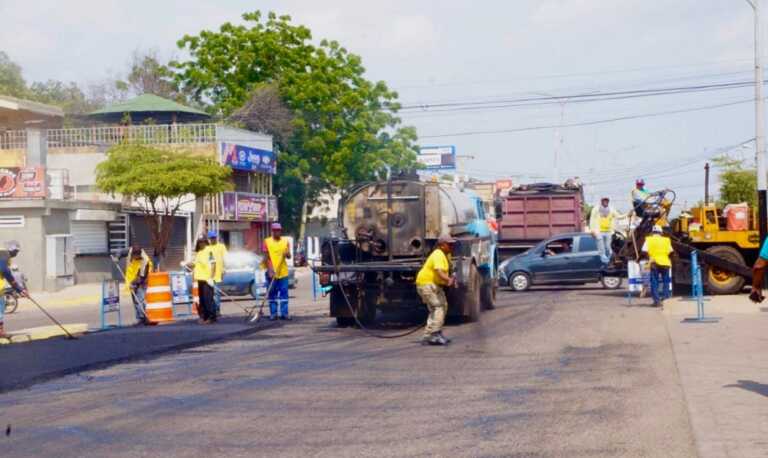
531	213
372	264
244	276
564	259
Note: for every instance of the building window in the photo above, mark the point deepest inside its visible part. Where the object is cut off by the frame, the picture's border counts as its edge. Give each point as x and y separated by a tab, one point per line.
12	221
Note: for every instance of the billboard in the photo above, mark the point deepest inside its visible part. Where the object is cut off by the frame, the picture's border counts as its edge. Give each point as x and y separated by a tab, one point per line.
437	157
245	206
22	183
241	157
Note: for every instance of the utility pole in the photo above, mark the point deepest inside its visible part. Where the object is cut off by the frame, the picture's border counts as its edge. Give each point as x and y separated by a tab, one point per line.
762	179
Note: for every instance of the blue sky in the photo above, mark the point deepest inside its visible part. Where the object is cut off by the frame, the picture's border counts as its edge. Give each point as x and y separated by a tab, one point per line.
461	51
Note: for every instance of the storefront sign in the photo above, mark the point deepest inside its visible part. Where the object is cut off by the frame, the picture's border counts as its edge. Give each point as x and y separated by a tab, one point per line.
251	207
247	158
229	206
245	206
22	183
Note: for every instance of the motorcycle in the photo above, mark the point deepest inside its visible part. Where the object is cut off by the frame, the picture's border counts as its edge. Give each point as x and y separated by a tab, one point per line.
11	296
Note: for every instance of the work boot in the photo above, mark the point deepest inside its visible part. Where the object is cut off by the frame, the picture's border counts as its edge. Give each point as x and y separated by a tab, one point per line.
425	339
447	340
272	318
2	330
437	339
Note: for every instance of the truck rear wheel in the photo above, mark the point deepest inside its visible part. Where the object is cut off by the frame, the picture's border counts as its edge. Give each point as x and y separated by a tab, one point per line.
488	293
719	281
472	295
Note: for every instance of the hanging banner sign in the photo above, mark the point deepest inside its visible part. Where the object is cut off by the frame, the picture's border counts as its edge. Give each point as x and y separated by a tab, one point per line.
251	207
241	157
22	183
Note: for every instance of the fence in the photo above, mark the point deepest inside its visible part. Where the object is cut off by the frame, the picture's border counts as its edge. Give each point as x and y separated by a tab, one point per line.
110	135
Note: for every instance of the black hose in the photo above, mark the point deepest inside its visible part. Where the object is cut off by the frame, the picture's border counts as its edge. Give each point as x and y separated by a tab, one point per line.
352	311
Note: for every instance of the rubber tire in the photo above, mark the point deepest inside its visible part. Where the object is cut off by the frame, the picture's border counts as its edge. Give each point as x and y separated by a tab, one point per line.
735	283
514	287
344	321
472	296
488	294
11	303
367	313
606	286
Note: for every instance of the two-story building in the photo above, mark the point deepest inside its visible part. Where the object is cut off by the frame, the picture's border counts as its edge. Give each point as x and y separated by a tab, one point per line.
67	227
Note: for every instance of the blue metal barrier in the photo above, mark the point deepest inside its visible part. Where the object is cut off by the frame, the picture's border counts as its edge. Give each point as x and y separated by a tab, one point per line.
697	293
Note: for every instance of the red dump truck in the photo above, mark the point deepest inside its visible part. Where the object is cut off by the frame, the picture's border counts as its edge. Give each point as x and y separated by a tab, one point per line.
531	213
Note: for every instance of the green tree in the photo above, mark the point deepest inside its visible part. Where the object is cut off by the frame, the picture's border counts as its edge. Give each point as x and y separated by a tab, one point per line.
159	181
738	183
11	80
149	75
344	128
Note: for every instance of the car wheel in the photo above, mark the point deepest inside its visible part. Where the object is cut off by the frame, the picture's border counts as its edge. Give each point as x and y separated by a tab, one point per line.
611	282
519	281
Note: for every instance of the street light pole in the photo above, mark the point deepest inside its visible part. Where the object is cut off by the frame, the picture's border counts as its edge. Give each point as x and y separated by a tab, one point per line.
762	178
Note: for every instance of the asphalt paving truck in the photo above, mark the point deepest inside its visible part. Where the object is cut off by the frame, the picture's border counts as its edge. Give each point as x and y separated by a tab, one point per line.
386	230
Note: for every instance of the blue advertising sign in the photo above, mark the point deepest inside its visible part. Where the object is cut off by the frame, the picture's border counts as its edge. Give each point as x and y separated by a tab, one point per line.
437	157
241	157
110	302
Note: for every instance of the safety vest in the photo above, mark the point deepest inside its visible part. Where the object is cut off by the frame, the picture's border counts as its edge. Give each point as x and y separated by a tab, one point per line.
203	270
606	223
276	250
659	248
137	267
219	251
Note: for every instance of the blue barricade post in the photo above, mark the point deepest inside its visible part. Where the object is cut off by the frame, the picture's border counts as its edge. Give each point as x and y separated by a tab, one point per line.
181	294
110	302
697	293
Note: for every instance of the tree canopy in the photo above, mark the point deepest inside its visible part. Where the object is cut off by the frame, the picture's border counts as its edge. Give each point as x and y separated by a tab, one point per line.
738	183
344	128
160	180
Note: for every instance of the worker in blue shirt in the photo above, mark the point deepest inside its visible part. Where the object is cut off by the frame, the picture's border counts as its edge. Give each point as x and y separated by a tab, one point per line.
6	277
758	272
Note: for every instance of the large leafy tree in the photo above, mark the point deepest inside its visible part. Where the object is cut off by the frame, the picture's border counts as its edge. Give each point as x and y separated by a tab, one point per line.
11	80
159	181
738	183
344	128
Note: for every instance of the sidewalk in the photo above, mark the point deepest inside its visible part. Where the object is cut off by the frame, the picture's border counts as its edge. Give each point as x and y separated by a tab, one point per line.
724	373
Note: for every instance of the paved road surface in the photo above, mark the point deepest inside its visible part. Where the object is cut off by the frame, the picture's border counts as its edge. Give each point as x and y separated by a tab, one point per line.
547	373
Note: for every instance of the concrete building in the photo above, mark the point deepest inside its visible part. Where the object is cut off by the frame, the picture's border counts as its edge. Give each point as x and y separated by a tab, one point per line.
67	228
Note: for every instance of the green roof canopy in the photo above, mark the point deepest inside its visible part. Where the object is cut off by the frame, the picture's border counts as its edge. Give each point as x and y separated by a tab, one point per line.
149	106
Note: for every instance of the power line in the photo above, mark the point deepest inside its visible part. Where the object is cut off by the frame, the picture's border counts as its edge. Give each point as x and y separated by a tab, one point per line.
587	123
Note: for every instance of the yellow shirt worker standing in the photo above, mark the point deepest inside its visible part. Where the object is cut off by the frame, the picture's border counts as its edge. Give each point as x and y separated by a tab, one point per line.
219	251
433	276
659	247
277	252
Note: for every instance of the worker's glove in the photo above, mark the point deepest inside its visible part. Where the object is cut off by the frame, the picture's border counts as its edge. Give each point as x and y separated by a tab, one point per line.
211	283
756	296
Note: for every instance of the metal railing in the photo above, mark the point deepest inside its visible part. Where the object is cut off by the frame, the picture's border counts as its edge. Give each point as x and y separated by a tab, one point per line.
179	134
13	139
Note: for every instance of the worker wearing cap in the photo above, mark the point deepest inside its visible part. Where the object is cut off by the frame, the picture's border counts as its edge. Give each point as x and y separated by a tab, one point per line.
430	281
12	249
659	248
639	196
277	252
602	225
219	251
137	269
202	273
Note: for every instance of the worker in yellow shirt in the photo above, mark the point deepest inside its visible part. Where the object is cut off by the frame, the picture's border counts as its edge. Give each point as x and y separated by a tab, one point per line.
277	252
430	281
602	223
202	273
659	248
137	269
219	250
